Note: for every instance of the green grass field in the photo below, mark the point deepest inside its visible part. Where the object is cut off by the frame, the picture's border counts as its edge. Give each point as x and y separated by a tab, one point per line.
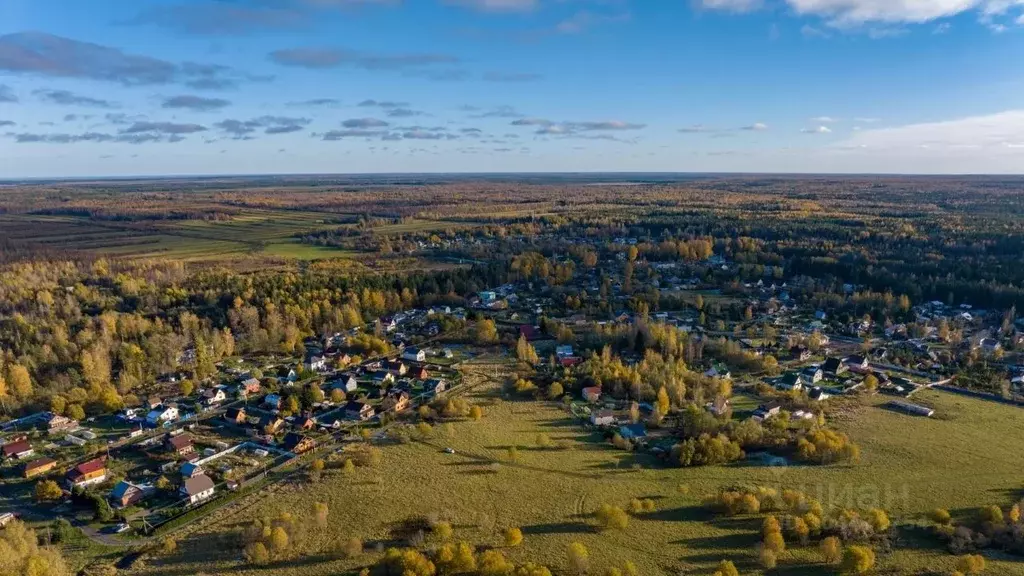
551	493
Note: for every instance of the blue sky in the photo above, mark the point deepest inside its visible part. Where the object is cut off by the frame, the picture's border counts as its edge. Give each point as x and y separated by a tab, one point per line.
152	87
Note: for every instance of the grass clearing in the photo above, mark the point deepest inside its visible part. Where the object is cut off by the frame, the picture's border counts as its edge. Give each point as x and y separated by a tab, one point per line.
551	493
297	250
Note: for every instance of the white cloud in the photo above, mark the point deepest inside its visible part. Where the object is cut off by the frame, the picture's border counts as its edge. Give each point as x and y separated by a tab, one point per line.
976	132
824	120
496	5
757	127
731	5
809	31
1020	20
868	120
818	130
847	13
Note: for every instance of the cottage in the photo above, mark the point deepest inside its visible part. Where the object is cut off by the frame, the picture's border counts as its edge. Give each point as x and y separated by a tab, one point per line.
162	414
304	423
347	383
248	387
395	367
271	424
315	363
719	407
765	411
564	351
789	381
356	410
214	396
88	473
235	415
818	393
719	371
287	374
592	394
414	355
382	378
811	375
298	443
835	366
153	402
420	373
858	363
198	489
181	444
38	467
435	386
396	401
602	418
18	450
127	494
800	353
272	401
55	424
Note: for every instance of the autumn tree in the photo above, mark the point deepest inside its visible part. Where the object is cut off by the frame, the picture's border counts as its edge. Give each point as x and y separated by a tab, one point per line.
513	537
831	550
726	568
611	517
48	491
578	558
485	332
971	564
525	351
858	560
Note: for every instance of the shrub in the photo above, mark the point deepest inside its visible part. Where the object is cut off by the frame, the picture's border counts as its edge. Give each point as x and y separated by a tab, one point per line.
443	530
774	542
256	553
831	550
858	560
940	516
991	514
878	519
513	537
971	564
726	568
494	563
825	446
612	517
578	557
767	558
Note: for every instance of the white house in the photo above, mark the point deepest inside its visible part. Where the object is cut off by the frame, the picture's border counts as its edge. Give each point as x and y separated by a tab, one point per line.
346	383
316	363
197	488
162	414
811	375
602	418
214	396
414	355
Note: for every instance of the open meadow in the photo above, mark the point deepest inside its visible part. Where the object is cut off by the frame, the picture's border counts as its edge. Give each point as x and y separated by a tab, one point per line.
551	493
